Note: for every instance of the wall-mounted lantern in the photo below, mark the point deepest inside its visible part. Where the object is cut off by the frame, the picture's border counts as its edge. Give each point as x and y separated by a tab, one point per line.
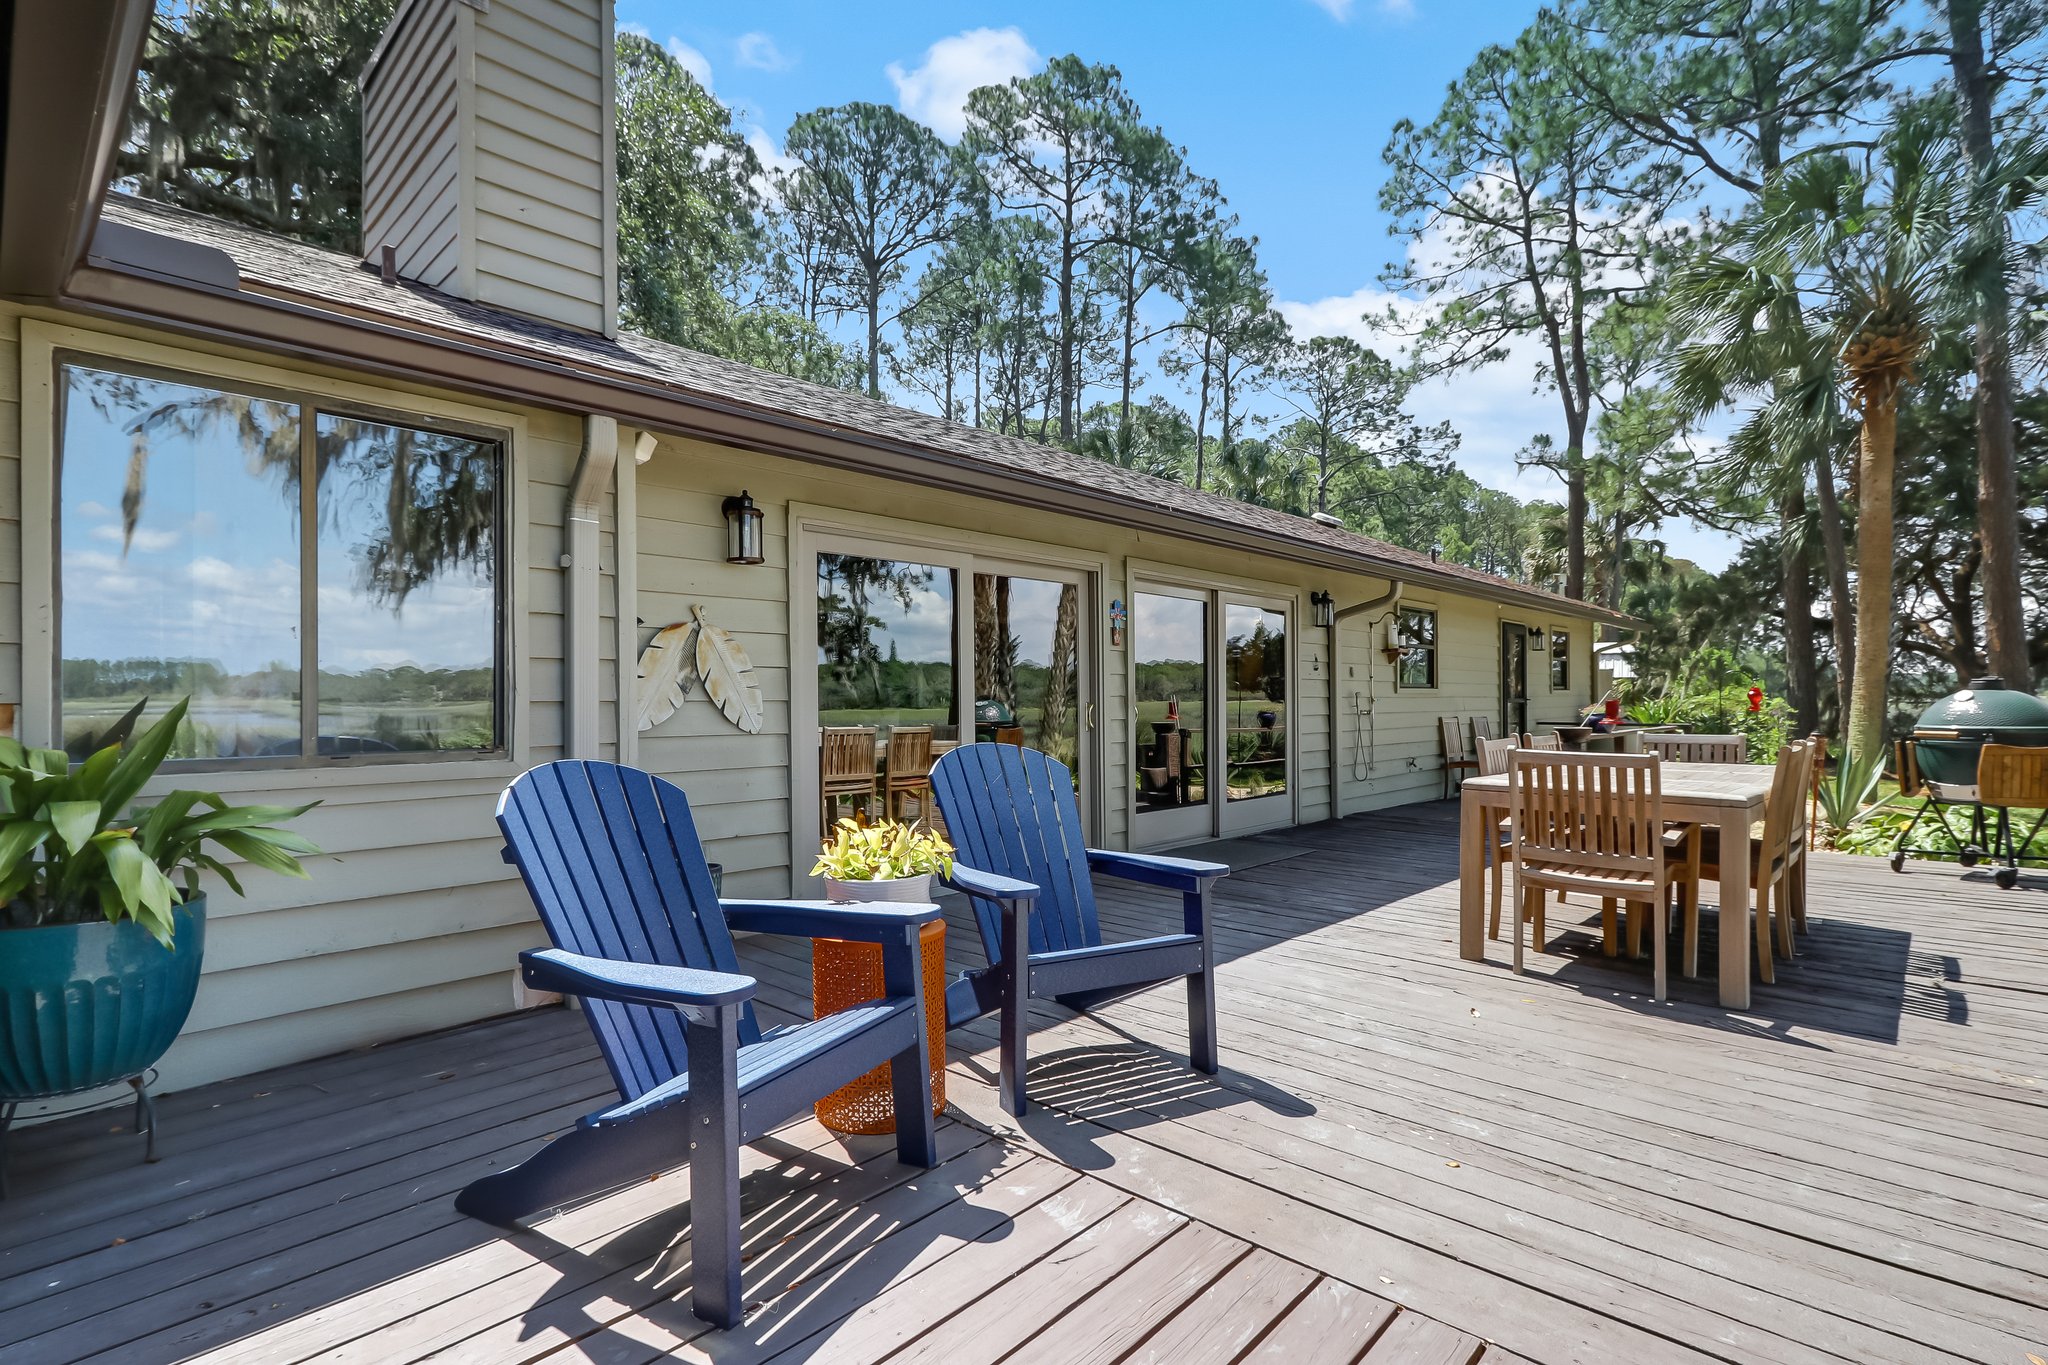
743	530
1324	607
1536	638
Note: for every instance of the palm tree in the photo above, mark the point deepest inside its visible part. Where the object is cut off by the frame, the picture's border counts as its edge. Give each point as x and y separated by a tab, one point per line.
1866	260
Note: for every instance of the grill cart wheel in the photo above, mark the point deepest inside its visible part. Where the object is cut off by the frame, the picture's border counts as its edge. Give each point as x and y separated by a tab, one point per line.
1970	856
2007	878
1898	862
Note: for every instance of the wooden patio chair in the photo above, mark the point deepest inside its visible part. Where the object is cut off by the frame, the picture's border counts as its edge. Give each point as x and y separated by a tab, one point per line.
1024	865
1697	748
1482	728
2008	776
1543	744
907	769
1495	757
1777	859
1456	761
611	859
846	768
1595	823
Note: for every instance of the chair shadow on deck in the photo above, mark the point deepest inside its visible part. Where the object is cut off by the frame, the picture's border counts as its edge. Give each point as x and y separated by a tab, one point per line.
814	1249
1853	980
1124	1087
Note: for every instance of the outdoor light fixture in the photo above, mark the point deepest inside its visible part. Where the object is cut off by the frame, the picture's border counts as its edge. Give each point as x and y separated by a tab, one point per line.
1393	648
1325	607
743	530
1536	637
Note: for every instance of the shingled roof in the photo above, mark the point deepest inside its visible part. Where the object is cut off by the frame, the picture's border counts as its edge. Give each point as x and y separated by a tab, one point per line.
284	268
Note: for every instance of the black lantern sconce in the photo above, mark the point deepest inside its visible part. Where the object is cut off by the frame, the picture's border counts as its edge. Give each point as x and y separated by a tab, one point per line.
1325	609
1536	638
743	530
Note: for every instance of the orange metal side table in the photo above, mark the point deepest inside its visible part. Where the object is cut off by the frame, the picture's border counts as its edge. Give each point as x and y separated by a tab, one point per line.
844	974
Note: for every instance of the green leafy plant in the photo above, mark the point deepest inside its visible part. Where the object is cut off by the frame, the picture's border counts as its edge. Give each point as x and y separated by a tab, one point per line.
882	852
1845	793
72	851
1666	708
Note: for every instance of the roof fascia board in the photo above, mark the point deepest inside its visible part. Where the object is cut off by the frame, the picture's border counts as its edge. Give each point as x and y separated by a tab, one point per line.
71	69
279	325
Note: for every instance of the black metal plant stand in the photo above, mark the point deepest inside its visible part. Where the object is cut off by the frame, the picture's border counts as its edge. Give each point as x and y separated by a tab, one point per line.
145	1121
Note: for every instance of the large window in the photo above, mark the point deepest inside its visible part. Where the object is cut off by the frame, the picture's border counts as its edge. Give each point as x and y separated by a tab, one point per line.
316	581
885	643
1170	648
1255	641
1418	647
1560	661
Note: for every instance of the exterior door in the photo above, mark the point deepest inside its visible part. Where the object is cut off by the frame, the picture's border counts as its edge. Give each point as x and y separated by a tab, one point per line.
1254	749
1033	675
1174	672
1514	678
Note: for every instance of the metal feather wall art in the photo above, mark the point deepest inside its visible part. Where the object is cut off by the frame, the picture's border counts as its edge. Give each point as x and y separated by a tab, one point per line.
693	652
668	673
728	674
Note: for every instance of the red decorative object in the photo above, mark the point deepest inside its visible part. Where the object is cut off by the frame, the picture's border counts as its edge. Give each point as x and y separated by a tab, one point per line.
1614	710
1756	699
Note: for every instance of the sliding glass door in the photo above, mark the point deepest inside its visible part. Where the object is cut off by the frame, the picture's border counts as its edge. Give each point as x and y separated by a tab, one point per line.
1212	749
1030	657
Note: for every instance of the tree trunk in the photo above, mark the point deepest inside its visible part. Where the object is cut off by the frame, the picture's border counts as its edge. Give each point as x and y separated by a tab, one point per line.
1842	604
987	645
1575	517
1202	421
874	346
1998	526
1060	677
1802	670
1874	532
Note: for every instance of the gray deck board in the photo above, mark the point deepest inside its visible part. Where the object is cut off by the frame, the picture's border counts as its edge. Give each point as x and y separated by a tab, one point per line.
1408	1157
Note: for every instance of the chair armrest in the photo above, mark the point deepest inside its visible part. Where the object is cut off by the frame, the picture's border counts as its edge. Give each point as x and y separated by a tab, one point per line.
1180	874
987	885
861	922
632	983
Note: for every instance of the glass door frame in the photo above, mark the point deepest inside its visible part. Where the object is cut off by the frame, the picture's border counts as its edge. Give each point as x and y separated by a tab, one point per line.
1259	812
1214	818
1514	647
812	534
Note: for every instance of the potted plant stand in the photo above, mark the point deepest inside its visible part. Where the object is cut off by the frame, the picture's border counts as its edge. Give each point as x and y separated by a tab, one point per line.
83	1006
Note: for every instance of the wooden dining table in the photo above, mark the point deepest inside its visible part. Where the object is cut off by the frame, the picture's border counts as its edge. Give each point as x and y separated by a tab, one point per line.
1728	797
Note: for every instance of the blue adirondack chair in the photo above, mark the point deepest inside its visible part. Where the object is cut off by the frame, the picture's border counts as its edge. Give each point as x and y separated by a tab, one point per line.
1029	875
611	858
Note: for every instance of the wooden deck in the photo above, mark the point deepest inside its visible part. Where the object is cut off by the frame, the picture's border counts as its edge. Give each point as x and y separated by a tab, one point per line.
1409	1158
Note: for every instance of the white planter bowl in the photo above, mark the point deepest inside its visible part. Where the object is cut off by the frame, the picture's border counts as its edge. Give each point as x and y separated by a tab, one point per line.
916	890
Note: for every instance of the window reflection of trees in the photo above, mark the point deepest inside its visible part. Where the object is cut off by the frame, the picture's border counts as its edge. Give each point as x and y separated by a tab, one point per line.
860	667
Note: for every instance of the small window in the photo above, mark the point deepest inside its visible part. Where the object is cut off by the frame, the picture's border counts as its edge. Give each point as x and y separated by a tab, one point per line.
1418	647
360	621
1560	661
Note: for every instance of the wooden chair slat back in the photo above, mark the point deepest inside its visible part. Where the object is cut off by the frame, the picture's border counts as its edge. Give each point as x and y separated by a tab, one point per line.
2013	775
1495	755
910	752
1452	735
846	754
1698	748
1784	807
1011	811
1599	813
611	858
1482	728
1543	744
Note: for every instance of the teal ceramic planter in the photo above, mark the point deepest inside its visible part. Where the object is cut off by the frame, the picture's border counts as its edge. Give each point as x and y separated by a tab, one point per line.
85	1005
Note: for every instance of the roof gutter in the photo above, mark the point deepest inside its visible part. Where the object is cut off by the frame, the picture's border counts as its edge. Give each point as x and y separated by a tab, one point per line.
233	317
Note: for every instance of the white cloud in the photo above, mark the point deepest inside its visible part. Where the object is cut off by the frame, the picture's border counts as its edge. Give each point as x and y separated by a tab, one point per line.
143	539
758	50
935	92
771	157
1340	10
1398	9
690	59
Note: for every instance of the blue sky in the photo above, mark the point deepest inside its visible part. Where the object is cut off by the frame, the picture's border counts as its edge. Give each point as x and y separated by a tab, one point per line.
1286	103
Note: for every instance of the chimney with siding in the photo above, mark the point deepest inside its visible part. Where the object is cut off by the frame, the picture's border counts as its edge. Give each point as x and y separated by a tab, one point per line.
487	155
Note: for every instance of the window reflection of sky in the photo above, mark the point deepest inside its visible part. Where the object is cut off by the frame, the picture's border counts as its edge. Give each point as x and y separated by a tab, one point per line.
212	570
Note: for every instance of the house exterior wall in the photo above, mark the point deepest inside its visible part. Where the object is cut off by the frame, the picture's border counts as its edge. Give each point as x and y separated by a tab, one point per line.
411	920
412	147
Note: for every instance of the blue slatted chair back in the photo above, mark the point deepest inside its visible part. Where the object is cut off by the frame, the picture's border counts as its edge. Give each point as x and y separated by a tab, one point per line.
611	858
1011	811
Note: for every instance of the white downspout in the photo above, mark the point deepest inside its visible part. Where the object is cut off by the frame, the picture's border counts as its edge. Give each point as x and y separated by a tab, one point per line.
626	588
581	604
1386	599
